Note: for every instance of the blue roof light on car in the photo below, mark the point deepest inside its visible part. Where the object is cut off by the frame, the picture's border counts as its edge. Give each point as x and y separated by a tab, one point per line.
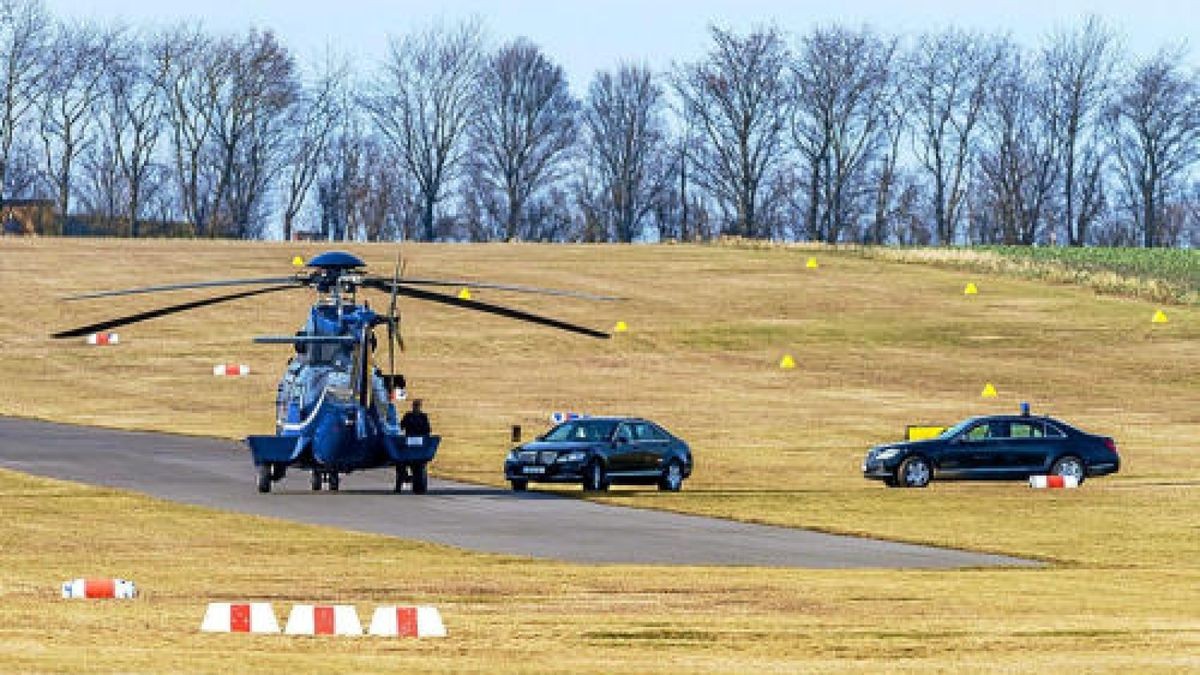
1025	408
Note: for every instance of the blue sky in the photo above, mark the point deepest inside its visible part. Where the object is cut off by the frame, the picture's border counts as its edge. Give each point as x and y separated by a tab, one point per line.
587	36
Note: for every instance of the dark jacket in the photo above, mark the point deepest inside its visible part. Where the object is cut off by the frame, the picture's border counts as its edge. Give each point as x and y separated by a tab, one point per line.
415	424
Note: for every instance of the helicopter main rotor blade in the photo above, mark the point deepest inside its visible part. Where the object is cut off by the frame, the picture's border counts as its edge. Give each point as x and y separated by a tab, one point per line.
453	301
508	287
194	284
164	311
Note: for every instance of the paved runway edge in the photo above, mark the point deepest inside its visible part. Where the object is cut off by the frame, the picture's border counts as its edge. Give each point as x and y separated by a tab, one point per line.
218	474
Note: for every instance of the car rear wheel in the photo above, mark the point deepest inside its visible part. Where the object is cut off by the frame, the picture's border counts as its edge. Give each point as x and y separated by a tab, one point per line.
672	478
914	472
595	479
1069	466
315	481
334	481
519	484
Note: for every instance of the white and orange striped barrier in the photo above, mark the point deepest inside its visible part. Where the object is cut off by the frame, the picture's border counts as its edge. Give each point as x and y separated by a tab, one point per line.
392	621
1053	482
231	370
234	617
101	339
119	589
323	620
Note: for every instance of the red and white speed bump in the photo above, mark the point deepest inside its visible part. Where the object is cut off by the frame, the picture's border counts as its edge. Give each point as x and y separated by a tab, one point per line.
392	621
1053	482
119	589
101	339
323	620
234	617
231	370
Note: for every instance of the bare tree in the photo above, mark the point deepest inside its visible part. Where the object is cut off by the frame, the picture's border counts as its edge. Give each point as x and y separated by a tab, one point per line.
1080	66
423	103
524	128
949	77
738	97
840	106
313	120
624	122
258	89
1018	162
77	62
134	118
185	58
1154	122
24	29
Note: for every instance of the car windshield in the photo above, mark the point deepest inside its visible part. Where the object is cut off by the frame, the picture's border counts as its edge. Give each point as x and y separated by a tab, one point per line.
582	431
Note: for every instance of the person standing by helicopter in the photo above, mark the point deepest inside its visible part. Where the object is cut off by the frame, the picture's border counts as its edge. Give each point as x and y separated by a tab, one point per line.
415	422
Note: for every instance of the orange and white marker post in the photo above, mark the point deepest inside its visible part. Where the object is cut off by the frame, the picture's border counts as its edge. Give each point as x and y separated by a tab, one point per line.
239	617
115	589
1053	482
231	370
419	622
101	339
323	620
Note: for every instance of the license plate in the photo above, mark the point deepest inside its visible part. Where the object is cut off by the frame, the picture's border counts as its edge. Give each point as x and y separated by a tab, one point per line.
416	441
534	469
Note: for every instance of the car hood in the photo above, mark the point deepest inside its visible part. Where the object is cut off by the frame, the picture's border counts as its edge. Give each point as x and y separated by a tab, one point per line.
908	445
558	445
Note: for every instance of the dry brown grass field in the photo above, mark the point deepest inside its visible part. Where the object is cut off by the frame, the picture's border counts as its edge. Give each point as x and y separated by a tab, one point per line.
878	345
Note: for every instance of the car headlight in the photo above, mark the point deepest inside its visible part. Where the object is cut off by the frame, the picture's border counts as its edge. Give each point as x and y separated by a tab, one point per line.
512	456
888	453
576	456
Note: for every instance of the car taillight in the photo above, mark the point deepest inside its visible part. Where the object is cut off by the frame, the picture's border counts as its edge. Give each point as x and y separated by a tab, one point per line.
1110	444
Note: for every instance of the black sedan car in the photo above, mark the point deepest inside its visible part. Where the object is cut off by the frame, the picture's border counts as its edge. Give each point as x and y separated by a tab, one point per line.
600	451
995	447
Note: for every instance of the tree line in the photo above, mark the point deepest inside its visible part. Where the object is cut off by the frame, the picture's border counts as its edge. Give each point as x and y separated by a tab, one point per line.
836	134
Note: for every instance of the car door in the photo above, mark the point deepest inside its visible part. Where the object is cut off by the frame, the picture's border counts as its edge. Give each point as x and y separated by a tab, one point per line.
1029	446
652	446
978	452
623	457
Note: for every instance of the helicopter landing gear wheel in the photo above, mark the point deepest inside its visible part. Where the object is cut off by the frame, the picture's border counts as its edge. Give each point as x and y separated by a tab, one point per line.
401	478
315	481
264	478
332	481
420	479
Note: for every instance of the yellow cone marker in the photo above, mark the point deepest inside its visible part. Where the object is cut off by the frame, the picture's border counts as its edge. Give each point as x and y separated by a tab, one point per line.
621	327
298	262
812	264
971	289
464	294
1159	317
787	362
989	391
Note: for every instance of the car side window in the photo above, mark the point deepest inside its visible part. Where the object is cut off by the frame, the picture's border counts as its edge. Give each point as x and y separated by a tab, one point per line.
656	433
1054	432
624	433
979	432
1025	430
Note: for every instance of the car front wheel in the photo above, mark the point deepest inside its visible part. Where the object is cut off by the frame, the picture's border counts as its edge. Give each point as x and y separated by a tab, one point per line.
595	478
519	484
1069	466
264	478
672	478
914	472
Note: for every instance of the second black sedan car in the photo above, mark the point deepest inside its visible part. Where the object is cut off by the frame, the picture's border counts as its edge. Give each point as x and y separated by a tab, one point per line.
600	451
995	447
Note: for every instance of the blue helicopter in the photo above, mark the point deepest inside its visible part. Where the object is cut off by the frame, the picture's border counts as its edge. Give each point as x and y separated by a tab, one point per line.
335	410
